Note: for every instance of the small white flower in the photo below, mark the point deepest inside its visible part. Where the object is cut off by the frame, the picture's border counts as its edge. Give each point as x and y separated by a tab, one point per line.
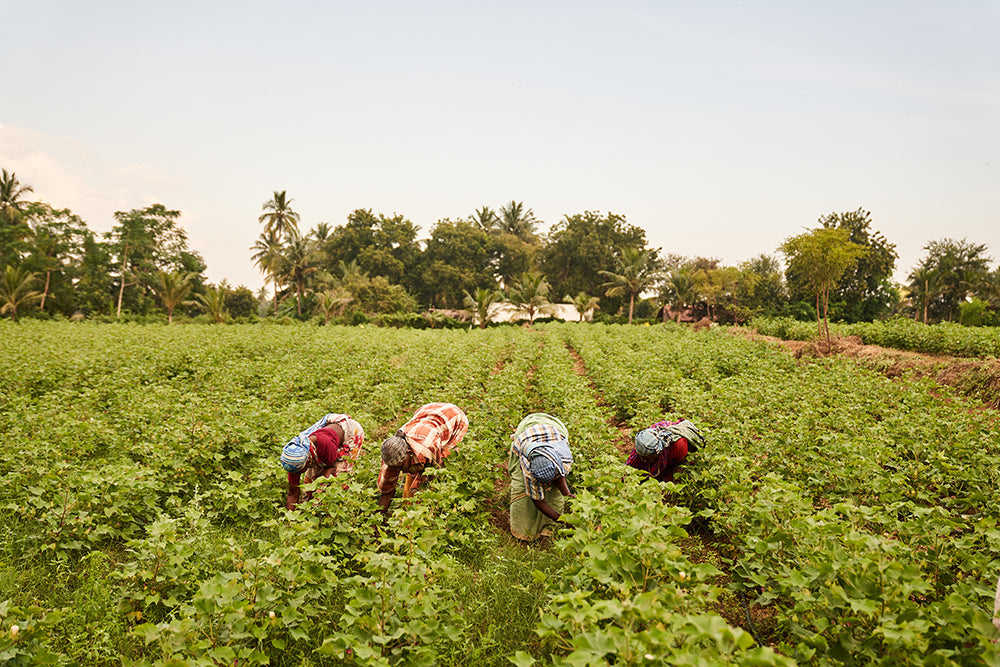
14	630
270	614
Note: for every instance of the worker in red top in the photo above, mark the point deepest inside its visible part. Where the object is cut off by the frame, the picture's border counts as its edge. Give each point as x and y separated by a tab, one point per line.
326	449
663	447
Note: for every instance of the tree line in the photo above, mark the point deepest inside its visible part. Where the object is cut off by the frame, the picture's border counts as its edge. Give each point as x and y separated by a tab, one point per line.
55	266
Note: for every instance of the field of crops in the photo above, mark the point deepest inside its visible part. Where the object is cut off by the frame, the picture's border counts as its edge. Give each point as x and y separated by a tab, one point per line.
899	333
835	518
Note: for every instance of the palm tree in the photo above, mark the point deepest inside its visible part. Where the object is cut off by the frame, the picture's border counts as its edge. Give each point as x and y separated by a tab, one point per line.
47	248
583	302
636	273
990	288
516	220
927	285
679	291
173	288
487	220
11	192
12	228
267	256
15	290
321	232
214	301
481	303
278	217
350	271
530	294
333	302
299	262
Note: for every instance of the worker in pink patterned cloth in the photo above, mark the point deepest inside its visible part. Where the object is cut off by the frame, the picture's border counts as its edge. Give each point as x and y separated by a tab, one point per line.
430	435
662	447
328	448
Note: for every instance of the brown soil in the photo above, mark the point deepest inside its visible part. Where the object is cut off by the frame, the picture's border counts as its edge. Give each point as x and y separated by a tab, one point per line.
703	323
623	442
497	505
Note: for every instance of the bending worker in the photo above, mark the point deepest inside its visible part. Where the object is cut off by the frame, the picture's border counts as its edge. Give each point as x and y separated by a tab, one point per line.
661	448
328	448
430	435
539	461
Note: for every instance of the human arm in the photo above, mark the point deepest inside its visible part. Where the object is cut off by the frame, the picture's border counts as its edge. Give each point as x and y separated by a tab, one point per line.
293	496
385	500
546	509
386	484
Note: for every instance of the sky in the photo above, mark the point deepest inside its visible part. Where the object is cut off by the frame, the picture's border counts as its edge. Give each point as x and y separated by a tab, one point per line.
720	128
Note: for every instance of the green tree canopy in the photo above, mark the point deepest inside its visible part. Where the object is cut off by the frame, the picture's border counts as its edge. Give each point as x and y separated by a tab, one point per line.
13	230
278	217
380	245
377	295
519	221
16	290
678	291
584	303
865	292
240	302
580	246
298	261
636	271
482	302
267	255
530	294
760	289
143	243
173	288
456	260
949	271
57	241
213	300
822	257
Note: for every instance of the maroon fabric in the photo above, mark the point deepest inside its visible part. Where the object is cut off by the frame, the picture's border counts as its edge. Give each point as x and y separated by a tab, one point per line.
328	447
662	467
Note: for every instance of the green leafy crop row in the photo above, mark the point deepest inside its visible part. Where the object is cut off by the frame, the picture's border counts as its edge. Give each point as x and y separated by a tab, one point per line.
898	333
146	523
861	511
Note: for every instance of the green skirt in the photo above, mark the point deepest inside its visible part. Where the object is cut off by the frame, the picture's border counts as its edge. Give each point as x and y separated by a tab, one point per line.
526	522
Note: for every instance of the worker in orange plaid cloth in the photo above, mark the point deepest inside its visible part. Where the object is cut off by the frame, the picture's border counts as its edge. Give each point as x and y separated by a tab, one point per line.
430	435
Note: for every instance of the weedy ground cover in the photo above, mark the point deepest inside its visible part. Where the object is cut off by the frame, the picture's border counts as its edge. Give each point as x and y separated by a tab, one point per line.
146	522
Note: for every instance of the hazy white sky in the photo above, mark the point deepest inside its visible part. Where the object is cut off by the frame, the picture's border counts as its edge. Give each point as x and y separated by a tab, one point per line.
721	128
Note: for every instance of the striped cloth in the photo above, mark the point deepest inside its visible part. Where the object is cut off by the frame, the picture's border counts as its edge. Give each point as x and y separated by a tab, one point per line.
433	431
354	439
540	434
